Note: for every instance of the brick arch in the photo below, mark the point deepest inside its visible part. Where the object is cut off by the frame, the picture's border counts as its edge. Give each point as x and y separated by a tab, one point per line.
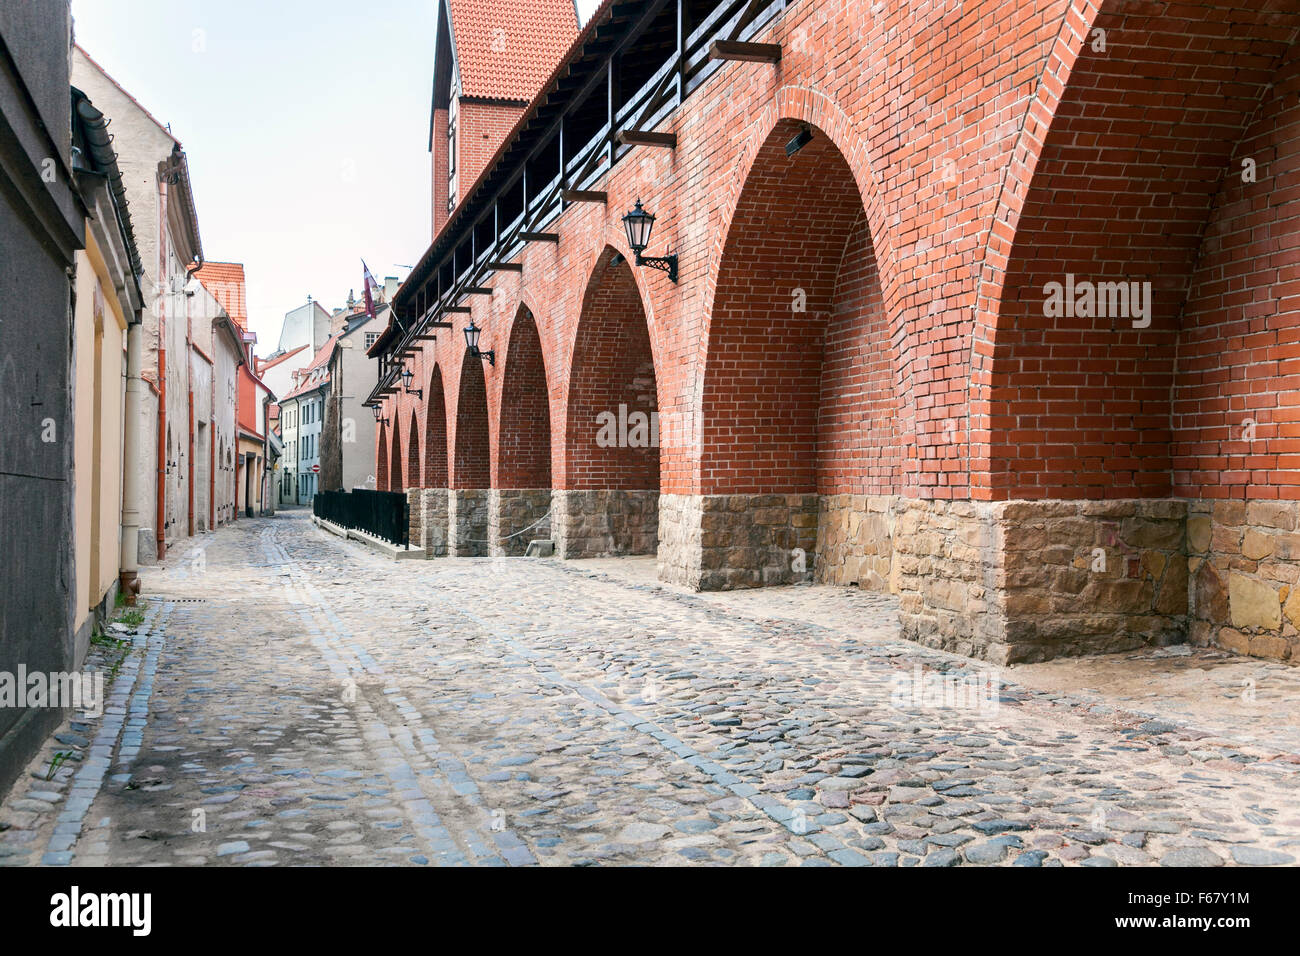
799	390
381	460
523	453
1123	190
471	467
612	368
413	453
791	106
435	431
395	469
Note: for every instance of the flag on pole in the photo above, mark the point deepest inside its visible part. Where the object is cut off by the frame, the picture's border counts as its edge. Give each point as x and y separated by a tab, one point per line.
368	282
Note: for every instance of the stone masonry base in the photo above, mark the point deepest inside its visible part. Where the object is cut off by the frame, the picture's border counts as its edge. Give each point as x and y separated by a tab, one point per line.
467	522
1005	581
593	524
429	520
1008	581
515	517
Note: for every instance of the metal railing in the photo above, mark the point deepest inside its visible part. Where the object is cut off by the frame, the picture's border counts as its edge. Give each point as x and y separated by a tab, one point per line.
676	78
383	514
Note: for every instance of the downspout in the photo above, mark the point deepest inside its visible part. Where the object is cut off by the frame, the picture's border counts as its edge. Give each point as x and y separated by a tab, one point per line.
161	304
189	469
129	559
189	274
266	452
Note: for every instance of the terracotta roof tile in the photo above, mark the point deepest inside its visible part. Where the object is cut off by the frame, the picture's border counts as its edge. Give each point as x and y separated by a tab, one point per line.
264	364
311	382
506	49
225	280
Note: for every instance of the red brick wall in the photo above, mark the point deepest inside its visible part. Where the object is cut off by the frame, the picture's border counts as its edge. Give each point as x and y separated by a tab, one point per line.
396	463
471	468
483	128
413	461
1239	348
774	421
435	433
612	366
988	150
381	459
1122	192
523	458
438	152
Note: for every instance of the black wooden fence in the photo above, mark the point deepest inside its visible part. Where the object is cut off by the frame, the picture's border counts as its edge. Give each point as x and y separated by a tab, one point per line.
384	514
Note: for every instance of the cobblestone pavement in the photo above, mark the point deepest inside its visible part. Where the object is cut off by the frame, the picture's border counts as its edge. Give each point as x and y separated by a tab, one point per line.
295	699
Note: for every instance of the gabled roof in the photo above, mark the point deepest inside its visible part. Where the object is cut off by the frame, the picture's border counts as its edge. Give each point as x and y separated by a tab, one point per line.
316	373
225	280
166	132
506	49
277	359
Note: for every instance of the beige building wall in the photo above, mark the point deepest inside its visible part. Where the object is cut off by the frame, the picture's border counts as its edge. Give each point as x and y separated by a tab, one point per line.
99	344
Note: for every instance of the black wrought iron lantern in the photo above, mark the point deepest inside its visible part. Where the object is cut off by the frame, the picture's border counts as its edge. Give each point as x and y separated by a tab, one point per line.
472	332
407	375
638	223
379	415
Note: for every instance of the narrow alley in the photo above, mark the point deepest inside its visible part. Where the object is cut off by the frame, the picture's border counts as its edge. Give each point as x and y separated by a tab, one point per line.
292	698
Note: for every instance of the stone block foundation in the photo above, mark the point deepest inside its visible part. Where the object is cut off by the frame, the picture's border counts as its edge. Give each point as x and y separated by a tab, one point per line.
428	520
1244	566
1018	581
855	540
467	522
605	522
721	542
1004	581
516	517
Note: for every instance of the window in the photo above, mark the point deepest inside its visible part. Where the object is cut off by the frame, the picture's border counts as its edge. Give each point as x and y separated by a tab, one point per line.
371	339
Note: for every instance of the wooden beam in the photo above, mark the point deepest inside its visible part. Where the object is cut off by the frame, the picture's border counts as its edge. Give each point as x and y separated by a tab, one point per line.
636	137
440	325
426	338
583	195
540	236
749	52
477	290
506	266
458	309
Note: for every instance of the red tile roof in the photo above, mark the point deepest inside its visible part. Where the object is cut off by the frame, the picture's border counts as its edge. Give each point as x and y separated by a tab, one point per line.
264	364
506	49
320	361
225	280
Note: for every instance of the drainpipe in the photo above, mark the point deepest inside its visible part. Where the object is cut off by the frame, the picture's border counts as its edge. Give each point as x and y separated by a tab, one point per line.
129	558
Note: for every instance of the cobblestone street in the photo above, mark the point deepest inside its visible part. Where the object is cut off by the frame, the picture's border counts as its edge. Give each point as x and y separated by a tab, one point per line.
296	699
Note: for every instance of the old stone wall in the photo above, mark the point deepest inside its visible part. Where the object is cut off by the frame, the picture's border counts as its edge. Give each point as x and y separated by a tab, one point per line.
721	542
510	511
428	520
467	522
1245	567
1031	580
609	521
946	563
855	540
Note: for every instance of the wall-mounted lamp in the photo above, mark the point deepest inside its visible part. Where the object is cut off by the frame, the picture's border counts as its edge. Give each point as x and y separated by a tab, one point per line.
379	415
471	342
407	375
638	224
800	140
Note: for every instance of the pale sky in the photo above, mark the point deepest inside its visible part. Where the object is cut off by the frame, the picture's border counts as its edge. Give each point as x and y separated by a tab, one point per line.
306	124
